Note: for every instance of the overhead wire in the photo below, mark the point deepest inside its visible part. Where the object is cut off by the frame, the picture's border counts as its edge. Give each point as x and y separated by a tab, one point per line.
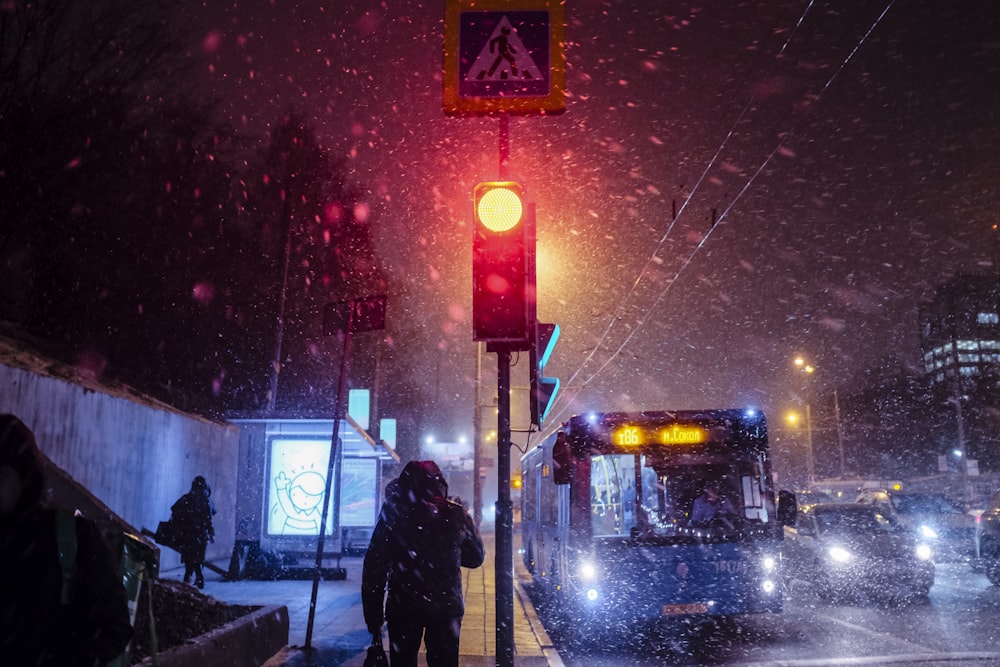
694	252
652	258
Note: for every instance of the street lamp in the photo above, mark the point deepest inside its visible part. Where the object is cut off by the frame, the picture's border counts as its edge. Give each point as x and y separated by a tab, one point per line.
808	369
795	421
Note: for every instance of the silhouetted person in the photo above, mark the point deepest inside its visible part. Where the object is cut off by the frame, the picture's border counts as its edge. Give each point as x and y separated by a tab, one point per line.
192	517
51	615
420	543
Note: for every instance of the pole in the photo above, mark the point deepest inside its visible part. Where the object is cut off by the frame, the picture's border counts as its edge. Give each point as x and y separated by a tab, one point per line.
504	560
840	433
279	333
477	435
504	144
963	464
334	450
811	461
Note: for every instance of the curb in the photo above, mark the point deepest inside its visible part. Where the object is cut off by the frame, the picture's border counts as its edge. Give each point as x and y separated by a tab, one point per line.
544	642
249	640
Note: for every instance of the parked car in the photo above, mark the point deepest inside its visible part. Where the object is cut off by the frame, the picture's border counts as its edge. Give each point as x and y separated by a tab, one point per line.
988	541
810	497
851	550
947	529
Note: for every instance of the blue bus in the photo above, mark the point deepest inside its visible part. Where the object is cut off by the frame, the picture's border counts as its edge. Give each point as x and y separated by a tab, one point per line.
606	517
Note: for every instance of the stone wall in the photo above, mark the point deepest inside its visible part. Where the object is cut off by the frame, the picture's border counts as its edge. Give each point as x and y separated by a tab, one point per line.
135	455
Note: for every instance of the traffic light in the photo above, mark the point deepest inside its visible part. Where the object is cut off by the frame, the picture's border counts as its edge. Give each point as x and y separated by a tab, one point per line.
502	250
543	389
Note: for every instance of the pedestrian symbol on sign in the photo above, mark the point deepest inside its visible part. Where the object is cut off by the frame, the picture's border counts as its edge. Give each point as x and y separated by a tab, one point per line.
503	57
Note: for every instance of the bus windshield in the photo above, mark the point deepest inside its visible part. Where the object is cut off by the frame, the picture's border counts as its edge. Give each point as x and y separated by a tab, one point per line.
663	499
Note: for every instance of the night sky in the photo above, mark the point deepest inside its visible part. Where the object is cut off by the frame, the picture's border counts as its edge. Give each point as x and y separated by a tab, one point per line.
847	149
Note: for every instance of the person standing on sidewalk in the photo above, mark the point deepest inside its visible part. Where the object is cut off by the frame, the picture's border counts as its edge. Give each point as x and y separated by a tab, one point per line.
192	516
419	545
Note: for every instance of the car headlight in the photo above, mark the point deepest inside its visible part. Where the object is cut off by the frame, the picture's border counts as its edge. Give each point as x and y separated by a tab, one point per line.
840	554
588	572
928	532
769	563
923	552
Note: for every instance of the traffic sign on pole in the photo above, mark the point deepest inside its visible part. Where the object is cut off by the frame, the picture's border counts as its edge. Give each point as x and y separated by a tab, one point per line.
504	56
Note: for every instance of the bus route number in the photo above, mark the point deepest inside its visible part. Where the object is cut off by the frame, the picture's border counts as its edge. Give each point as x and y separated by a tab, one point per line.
628	436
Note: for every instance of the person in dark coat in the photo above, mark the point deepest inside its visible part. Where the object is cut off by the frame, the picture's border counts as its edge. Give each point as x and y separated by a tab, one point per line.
51	616
418	547
192	517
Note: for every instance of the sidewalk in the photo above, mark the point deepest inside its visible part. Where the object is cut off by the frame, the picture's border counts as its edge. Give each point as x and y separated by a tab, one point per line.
339	636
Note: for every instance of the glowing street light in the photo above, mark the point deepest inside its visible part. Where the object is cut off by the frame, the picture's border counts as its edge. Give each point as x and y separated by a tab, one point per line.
808	369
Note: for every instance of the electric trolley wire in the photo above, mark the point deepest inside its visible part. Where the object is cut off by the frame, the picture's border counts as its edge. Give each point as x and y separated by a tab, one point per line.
652	258
694	252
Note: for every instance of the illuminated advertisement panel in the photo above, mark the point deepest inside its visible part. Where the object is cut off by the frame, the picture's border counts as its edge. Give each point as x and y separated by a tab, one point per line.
359	484
296	486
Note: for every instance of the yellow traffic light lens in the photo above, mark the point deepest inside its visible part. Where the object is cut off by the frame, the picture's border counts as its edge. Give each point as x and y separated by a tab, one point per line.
499	209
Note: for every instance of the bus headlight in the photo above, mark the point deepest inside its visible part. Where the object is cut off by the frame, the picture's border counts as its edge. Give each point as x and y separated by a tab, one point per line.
839	554
928	532
923	552
769	563
588	572
592	594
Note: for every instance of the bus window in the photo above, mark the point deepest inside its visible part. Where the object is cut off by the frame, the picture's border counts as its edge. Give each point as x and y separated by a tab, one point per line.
612	481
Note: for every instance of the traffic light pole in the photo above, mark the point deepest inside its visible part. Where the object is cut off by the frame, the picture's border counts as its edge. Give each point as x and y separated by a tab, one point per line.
504	559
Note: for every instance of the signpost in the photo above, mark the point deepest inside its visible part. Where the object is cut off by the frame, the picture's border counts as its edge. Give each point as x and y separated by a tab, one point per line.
347	317
504	56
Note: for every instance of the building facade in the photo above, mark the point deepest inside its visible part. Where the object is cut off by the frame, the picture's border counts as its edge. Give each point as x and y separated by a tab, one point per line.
960	332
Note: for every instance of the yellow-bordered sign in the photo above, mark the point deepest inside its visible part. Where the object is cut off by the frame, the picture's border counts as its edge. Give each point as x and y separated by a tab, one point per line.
504	56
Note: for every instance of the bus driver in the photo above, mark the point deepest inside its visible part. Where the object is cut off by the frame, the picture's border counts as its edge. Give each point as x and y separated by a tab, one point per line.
710	505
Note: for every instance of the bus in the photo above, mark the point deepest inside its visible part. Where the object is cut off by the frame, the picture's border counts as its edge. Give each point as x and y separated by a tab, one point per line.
606	522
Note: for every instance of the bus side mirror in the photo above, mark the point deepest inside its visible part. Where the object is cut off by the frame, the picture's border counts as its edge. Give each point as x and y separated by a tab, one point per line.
561	456
787	508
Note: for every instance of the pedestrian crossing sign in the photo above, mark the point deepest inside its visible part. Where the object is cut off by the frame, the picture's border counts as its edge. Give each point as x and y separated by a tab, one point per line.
504	56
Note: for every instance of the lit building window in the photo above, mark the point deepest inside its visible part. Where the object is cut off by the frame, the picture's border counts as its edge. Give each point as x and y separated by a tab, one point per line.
988	318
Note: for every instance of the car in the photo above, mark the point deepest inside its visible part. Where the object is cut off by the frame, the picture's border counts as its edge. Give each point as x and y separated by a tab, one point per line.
810	497
849	550
988	541
948	530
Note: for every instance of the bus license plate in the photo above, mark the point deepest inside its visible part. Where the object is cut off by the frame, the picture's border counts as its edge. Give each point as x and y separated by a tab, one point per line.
690	608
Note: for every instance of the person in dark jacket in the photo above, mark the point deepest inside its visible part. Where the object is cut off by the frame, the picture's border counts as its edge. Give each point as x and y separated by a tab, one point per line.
192	517
418	547
51	616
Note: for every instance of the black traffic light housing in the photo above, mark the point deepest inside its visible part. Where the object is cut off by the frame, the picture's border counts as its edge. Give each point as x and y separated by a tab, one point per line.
503	279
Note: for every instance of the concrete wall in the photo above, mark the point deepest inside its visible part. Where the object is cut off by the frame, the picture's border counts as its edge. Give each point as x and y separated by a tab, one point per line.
133	454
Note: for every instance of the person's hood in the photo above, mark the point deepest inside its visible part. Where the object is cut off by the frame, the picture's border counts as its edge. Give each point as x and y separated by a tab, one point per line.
19	452
422	481
200	484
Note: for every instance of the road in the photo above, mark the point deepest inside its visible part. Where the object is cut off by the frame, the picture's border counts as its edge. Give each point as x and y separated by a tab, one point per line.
957	624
